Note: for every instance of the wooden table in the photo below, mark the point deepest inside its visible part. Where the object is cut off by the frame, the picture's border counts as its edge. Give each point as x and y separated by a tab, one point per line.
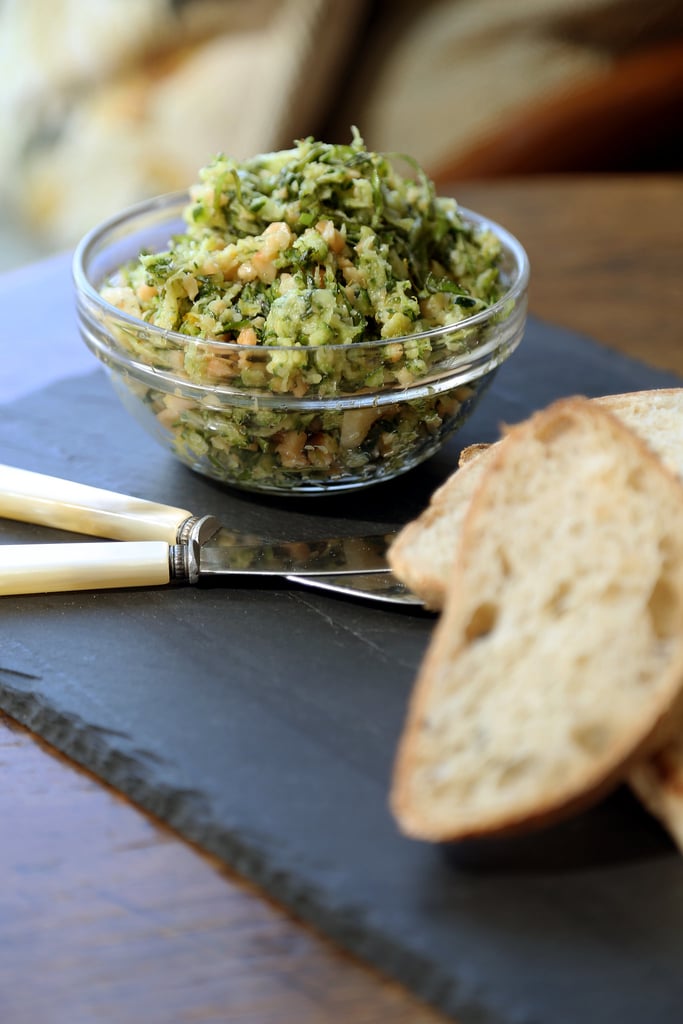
105	914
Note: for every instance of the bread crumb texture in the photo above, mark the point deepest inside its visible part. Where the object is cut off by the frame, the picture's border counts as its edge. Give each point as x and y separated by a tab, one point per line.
560	648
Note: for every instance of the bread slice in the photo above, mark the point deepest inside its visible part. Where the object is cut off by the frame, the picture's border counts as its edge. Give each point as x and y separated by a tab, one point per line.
471	452
422	554
558	660
658	783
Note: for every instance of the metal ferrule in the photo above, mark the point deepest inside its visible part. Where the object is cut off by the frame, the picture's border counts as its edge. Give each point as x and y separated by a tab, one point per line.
183	561
197	528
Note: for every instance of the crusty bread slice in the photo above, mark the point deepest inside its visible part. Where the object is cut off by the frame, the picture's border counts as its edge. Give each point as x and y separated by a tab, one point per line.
471	452
657	781
422	554
558	660
656	416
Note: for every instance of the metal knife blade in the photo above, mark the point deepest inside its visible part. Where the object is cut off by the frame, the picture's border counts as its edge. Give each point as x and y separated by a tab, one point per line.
226	554
381	587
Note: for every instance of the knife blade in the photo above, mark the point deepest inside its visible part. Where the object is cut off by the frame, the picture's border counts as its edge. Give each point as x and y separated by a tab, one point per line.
225	553
381	587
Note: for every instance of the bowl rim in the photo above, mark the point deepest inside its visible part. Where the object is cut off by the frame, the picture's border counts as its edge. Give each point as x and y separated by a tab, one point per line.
177	200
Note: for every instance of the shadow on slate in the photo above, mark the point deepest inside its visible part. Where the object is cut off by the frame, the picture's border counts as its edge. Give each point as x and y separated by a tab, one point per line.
262	722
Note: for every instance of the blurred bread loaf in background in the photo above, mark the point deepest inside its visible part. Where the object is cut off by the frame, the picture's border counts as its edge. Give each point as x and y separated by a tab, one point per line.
107	103
487	88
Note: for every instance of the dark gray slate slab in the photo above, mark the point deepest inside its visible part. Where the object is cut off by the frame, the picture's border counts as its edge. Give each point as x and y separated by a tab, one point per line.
262	723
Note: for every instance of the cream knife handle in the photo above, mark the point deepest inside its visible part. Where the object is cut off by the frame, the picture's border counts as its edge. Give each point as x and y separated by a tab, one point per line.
36	498
43	568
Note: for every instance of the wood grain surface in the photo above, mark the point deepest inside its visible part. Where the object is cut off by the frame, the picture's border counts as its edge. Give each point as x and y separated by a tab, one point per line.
106	915
605	253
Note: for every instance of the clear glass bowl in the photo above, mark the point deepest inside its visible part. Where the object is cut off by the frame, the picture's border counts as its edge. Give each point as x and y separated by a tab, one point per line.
241	414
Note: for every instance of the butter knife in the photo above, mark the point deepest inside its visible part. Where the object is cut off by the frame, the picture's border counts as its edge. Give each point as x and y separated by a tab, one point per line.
159	544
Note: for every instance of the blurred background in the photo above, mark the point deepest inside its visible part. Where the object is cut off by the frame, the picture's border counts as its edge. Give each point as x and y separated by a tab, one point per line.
105	102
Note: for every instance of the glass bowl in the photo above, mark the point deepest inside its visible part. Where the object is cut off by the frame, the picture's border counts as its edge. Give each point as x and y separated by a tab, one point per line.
291	420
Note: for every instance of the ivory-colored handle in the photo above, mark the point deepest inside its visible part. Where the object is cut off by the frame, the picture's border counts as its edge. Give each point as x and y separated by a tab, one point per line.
36	498
43	568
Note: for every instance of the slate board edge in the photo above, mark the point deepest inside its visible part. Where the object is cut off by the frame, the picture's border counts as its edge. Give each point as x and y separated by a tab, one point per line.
177	811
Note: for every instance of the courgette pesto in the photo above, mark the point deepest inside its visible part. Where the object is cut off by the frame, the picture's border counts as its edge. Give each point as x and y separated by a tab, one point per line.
321	244
285	255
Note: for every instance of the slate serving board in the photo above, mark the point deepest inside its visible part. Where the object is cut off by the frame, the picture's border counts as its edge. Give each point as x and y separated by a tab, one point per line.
262	723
